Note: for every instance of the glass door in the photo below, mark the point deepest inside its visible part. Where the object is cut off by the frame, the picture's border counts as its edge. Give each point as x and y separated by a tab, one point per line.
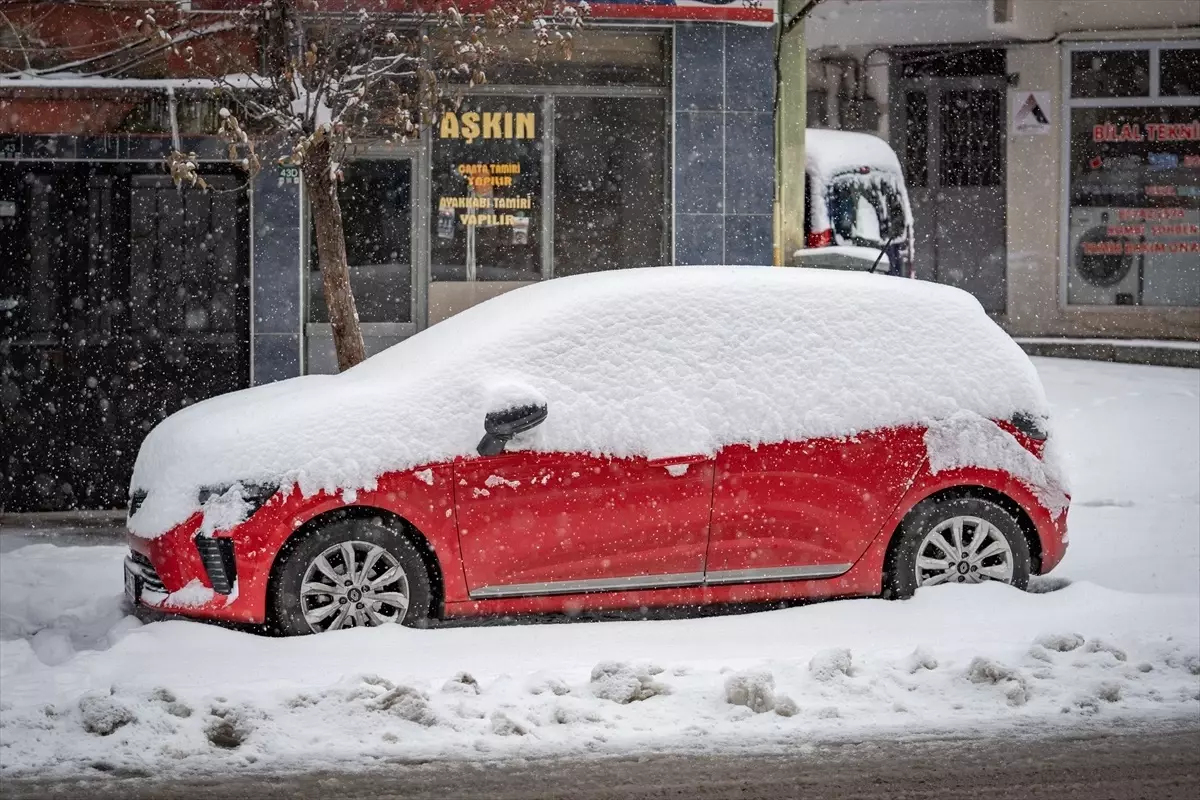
487	201
376	197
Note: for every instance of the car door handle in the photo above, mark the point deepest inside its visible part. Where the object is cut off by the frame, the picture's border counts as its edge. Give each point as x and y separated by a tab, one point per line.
671	461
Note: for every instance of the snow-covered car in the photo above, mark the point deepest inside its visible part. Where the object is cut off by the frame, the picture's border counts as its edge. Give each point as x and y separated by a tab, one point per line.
855	200
650	437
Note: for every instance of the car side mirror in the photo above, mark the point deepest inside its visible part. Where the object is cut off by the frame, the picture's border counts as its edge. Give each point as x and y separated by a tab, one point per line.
500	426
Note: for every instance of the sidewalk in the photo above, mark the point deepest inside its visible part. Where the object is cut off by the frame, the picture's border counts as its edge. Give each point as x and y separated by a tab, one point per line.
1157	352
65	528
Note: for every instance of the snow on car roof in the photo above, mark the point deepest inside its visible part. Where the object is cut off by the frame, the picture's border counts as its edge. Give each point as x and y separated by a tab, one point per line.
826	152
653	362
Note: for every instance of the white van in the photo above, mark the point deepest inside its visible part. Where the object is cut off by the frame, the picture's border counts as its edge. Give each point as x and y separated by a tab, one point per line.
855	200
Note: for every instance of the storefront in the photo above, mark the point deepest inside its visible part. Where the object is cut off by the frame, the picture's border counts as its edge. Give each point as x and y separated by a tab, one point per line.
653	145
545	172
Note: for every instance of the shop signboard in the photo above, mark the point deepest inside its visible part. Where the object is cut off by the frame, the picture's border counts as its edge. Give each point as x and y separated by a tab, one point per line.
1031	113
746	11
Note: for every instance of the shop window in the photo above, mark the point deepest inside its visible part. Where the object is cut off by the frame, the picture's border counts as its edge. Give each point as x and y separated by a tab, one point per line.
609	183
1179	71
1133	233
487	190
542	182
1110	73
376	201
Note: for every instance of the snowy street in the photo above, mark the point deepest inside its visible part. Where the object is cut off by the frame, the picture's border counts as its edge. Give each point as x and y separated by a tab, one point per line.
1118	763
1112	637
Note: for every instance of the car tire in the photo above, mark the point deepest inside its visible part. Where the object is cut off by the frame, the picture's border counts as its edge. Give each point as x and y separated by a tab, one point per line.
915	542
367	539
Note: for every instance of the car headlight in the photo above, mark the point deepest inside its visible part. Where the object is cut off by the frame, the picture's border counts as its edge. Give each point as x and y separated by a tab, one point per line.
255	495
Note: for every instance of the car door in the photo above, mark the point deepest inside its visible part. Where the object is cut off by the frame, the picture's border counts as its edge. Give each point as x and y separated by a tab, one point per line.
802	510
552	523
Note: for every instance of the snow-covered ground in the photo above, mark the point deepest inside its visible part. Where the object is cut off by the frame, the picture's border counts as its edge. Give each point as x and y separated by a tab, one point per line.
85	687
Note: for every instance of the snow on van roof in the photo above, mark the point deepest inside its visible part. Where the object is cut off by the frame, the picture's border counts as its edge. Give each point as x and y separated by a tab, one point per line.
653	362
827	152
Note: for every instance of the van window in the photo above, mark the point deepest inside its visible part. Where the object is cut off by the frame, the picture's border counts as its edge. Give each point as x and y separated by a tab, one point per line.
866	210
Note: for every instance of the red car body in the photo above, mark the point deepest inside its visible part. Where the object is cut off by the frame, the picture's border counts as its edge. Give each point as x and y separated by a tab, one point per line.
534	532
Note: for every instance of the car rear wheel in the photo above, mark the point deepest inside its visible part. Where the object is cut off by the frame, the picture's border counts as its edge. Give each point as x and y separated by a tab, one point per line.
350	574
961	540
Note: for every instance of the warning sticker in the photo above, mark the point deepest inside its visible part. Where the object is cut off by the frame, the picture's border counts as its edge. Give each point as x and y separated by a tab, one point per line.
1031	113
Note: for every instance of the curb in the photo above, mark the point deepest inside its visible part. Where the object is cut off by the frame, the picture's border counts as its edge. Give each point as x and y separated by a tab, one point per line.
101	525
1158	354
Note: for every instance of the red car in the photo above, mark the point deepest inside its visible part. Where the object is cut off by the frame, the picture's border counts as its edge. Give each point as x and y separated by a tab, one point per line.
676	436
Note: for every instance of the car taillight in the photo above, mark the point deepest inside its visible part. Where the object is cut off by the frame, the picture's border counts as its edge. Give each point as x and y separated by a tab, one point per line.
1032	426
820	239
1027	429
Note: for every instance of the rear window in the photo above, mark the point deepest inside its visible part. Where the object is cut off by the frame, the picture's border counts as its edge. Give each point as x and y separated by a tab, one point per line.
866	210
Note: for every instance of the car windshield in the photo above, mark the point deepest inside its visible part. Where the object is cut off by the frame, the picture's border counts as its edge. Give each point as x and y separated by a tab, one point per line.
866	210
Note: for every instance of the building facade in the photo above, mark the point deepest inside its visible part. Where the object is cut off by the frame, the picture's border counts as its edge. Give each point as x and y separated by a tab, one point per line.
126	299
1051	148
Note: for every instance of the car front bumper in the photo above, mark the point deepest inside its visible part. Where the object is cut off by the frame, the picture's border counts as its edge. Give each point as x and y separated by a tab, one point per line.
183	572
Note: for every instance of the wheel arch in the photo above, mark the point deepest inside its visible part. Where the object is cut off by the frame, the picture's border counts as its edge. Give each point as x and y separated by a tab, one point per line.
980	492
391	520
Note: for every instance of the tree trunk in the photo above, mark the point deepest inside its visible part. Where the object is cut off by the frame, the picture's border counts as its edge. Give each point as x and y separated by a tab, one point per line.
331	256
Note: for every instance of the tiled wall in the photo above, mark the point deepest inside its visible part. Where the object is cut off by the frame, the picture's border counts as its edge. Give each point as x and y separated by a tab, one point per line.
724	143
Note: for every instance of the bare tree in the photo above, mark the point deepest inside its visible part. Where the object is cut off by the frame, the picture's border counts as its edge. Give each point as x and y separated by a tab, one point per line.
334	77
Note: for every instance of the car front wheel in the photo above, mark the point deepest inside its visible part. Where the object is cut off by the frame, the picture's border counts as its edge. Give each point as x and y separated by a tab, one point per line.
962	540
350	574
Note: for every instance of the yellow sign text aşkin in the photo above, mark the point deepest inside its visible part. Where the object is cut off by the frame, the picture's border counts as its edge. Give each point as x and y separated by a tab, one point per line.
472	125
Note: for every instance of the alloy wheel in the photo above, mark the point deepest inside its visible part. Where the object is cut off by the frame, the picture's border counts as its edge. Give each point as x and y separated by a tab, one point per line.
964	550
353	584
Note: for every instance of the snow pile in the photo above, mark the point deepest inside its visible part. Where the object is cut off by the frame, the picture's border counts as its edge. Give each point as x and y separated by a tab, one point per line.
826	665
623	683
654	362
56	601
755	689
